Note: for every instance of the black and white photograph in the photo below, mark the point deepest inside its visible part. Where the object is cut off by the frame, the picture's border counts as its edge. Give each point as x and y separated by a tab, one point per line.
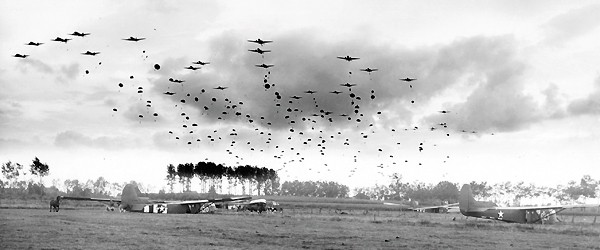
337	124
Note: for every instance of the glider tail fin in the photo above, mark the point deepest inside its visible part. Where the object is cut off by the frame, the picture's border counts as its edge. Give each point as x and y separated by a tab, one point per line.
466	201
129	195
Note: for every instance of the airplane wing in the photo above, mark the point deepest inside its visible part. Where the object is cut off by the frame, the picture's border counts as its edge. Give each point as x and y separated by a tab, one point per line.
193	202
90	199
548	207
434	208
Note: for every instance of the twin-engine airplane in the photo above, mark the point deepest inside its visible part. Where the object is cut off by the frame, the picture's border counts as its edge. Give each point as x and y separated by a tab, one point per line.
489	210
132	202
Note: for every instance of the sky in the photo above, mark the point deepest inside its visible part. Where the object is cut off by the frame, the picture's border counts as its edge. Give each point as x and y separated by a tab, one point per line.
518	82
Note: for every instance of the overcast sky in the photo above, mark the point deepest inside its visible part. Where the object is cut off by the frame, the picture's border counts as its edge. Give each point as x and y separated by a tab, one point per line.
520	81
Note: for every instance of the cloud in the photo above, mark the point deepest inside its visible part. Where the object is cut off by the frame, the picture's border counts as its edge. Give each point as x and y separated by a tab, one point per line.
37	65
73	139
498	101
571	24
589	105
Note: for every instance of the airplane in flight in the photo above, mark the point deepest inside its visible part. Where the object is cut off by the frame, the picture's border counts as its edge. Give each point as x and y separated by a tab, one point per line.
64	40
310	92
176	80
266	66
336	92
259	51
132	202
348	58
489	210
192	68
349	85
201	62
369	70
259	41
89	53
79	34
169	93
221	88
408	79
20	56
34	44
133	39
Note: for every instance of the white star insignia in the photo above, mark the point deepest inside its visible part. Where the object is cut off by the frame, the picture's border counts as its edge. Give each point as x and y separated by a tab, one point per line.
500	215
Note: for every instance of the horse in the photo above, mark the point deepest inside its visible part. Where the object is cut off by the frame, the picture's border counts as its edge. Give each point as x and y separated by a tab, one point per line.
55	204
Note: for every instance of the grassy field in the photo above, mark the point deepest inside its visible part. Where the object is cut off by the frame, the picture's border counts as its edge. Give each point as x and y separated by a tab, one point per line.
294	229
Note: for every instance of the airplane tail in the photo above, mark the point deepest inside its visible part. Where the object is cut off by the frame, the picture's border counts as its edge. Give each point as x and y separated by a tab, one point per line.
466	201
130	194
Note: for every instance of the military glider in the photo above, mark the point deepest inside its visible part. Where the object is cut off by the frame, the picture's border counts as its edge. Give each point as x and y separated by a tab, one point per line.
260	41
134	39
132	202
489	210
259	51
348	58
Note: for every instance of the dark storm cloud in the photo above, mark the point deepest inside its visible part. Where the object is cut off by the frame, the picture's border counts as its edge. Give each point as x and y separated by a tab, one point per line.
498	101
302	63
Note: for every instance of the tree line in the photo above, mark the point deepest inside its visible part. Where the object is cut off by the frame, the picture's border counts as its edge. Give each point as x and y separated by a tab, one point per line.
505	193
211	176
13	183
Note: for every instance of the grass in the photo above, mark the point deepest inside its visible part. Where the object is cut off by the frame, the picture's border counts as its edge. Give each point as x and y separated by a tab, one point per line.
98	229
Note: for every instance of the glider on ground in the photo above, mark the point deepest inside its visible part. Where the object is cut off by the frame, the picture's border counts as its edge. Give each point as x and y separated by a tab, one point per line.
489	210
132	202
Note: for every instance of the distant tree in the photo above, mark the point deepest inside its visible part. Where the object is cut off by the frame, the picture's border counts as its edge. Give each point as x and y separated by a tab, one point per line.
445	191
481	190
40	169
171	176
588	187
100	186
12	172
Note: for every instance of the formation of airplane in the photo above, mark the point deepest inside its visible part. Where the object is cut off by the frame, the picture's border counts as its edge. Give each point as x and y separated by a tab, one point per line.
489	210
260	41
348	58
259	51
134	39
132	202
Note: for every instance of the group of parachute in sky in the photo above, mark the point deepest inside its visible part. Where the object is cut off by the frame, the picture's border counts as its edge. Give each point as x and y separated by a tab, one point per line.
308	129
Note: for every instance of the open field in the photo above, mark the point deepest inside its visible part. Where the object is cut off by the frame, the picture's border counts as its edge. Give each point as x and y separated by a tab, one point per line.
95	229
